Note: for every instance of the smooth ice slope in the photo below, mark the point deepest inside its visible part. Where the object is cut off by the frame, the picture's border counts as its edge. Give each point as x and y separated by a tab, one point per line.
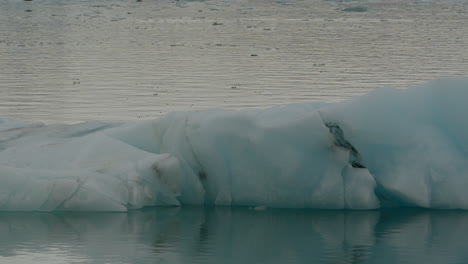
389	148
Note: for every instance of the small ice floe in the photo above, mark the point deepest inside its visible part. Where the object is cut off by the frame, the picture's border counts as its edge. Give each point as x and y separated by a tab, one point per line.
260	208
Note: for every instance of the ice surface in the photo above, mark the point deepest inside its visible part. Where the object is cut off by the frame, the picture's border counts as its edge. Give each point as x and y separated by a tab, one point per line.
392	147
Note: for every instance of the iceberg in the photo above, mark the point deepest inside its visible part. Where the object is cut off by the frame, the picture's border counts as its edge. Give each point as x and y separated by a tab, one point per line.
389	148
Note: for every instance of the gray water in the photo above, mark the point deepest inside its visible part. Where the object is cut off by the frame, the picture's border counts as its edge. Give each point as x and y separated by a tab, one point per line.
237	235
70	61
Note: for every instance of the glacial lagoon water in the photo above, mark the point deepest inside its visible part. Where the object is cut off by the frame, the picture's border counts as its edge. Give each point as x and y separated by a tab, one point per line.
71	61
235	235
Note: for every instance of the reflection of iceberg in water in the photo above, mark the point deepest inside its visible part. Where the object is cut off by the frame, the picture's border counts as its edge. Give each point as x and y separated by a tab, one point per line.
389	148
225	235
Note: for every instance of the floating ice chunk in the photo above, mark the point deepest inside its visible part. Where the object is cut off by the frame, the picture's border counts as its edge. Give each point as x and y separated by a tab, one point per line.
389	148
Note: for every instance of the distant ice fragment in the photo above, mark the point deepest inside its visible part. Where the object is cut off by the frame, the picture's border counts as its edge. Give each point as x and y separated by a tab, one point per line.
355	9
260	208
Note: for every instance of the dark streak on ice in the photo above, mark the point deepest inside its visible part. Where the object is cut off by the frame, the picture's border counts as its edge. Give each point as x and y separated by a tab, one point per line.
202	175
61	205
356	164
340	141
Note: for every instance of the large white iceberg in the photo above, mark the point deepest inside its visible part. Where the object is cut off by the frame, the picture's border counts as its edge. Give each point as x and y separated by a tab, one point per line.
392	147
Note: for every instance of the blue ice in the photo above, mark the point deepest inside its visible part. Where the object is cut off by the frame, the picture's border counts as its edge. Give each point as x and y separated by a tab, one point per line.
389	148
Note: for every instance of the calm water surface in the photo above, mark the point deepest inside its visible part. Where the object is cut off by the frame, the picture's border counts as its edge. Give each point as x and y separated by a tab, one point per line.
237	235
70	61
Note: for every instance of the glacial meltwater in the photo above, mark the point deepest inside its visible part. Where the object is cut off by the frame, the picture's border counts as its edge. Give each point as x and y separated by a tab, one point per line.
105	156
235	235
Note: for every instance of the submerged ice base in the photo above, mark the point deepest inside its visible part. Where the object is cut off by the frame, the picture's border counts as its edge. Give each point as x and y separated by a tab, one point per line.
389	148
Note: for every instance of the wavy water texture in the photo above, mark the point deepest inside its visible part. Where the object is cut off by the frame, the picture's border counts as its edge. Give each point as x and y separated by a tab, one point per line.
390	148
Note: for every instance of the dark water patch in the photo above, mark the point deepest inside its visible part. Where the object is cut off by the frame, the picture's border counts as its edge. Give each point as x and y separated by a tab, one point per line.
355	9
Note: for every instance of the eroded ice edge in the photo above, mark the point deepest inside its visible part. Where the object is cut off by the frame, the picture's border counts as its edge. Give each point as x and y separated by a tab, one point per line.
392	147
